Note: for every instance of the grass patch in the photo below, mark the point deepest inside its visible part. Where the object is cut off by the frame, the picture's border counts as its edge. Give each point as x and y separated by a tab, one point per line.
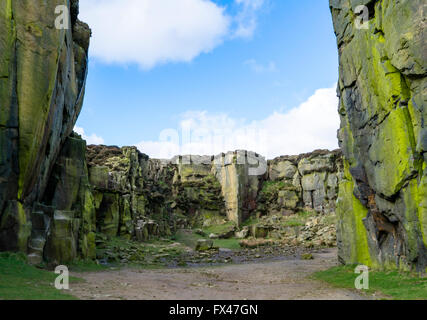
219	228
306	214
20	281
87	266
227	243
298	220
187	238
396	285
294	222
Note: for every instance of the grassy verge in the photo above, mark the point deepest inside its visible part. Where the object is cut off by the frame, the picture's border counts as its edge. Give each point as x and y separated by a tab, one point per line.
227	243
89	266
20	281
393	284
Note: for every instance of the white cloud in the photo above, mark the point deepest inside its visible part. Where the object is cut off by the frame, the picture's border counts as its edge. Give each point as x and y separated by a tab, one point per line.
92	139
152	32
260	68
312	125
246	19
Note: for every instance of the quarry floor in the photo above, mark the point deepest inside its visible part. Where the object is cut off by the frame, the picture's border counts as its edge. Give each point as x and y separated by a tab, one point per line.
286	279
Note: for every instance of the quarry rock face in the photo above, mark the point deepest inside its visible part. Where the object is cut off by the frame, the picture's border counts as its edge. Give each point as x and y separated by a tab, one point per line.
240	174
42	81
382	202
196	191
131	193
58	195
70	206
139	197
307	181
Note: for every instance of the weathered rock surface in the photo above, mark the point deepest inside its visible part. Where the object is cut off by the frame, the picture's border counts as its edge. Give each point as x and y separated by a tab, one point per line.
240	175
131	196
307	181
42	81
382	205
70	206
196	191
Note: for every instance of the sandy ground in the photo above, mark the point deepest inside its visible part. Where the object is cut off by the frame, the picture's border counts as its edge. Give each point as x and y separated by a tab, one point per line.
278	280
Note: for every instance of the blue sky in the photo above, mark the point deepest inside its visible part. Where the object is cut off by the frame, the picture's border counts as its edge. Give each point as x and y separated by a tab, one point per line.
250	65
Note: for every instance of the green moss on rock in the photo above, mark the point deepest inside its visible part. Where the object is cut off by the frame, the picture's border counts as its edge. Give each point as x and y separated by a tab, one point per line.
352	243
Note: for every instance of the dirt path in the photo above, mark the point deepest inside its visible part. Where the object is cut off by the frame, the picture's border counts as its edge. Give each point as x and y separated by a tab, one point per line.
282	280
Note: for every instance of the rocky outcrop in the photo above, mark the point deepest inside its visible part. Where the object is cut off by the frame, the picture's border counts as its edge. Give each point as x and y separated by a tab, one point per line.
240	175
186	190
132	194
69	207
196	191
42	81
307	181
132	191
382	205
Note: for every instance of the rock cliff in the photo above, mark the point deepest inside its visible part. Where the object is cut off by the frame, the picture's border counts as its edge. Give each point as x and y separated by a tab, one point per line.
307	181
382	205
139	197
42	81
132	194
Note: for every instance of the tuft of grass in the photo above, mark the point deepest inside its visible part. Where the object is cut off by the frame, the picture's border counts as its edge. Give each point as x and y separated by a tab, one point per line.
20	281
307	256
293	222
394	284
